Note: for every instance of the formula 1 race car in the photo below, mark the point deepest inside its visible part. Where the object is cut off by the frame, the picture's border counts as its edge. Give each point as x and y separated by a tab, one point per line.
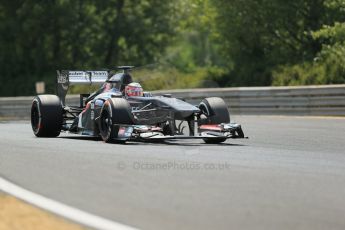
120	111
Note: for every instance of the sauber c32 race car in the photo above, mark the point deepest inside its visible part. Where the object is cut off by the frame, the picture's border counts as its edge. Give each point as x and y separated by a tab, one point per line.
116	116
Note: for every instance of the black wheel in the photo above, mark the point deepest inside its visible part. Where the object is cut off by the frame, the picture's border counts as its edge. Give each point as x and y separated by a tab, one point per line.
46	116
214	111
214	140
114	111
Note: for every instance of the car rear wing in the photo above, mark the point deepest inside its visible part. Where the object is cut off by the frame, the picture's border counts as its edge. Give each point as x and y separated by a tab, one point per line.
65	78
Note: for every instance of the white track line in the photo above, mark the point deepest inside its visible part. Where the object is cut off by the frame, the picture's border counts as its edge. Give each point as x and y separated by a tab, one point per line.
60	209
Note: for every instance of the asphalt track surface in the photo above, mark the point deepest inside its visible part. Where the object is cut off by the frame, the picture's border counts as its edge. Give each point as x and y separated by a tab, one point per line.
290	174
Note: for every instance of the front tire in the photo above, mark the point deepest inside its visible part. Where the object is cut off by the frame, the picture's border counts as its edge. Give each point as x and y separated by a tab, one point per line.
114	111
214	140
46	116
215	111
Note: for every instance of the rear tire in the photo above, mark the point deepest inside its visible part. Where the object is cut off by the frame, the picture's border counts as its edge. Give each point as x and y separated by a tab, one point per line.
215	111
46	116
114	111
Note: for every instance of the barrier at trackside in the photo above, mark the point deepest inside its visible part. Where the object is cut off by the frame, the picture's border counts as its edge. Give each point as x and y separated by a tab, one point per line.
326	100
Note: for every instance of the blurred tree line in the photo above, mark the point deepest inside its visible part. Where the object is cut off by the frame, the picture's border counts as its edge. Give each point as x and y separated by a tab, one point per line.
206	42
41	36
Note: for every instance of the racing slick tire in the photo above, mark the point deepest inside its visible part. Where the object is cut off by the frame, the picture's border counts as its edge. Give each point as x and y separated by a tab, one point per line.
216	112
46	116
214	140
114	111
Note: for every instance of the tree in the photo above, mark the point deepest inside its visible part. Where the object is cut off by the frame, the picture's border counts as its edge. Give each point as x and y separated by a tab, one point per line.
39	37
328	65
260	35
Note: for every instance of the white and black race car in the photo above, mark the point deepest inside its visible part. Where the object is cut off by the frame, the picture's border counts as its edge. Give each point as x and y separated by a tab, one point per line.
116	117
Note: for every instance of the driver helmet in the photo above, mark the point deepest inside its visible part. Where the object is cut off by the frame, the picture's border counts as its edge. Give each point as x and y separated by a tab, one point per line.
134	89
